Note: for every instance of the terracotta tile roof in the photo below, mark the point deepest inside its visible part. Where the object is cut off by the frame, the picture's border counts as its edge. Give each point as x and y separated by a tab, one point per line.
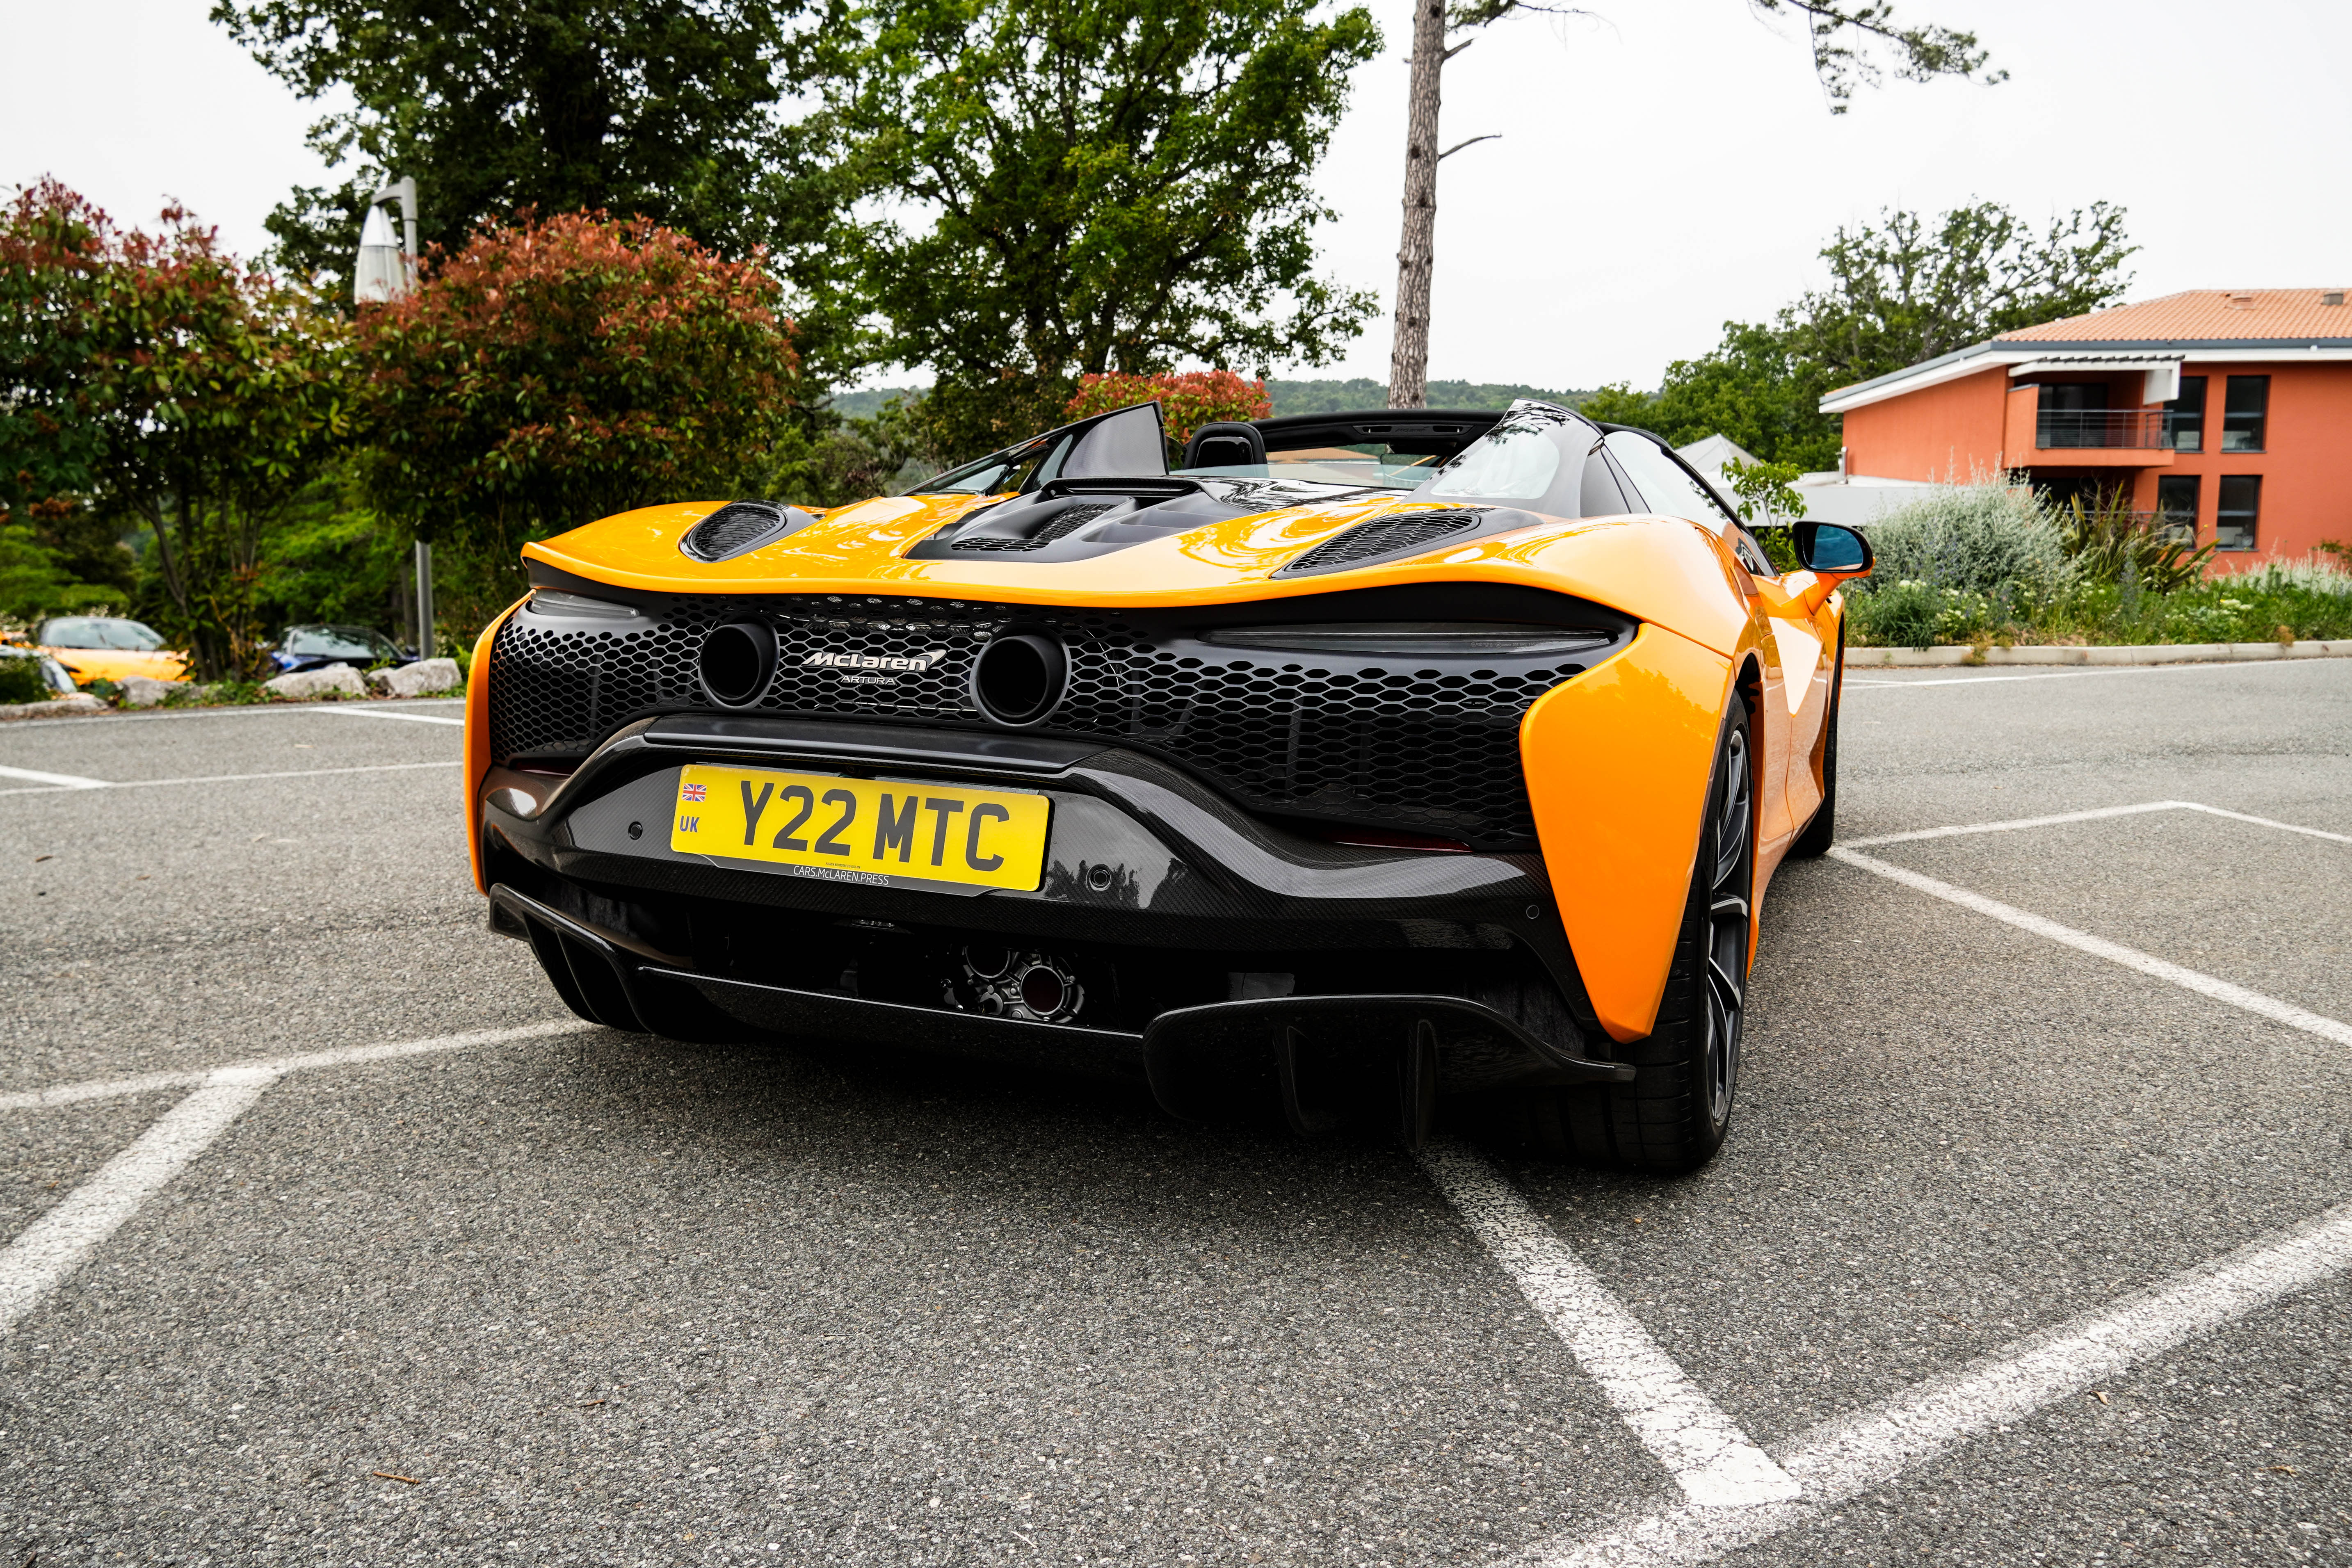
2292	315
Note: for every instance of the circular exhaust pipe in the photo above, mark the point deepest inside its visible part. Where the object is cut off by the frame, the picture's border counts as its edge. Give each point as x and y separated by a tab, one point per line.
738	660
1019	678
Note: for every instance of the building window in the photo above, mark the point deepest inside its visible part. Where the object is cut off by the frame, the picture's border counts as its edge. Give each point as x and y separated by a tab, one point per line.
2246	405
2072	413
2184	416
2233	518
2175	506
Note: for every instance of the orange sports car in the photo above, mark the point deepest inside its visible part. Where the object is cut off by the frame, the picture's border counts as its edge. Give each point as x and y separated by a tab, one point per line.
1360	760
107	648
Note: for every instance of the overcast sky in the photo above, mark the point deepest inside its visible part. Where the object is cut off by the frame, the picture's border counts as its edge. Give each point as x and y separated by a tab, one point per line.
1660	169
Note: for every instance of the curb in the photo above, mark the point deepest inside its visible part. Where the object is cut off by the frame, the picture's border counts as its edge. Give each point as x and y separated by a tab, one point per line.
2151	653
60	708
89	707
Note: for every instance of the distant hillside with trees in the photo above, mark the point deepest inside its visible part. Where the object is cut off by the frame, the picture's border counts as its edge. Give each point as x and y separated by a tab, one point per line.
1327	395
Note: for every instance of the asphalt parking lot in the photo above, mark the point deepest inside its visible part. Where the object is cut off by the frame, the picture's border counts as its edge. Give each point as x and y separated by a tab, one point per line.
2032	1242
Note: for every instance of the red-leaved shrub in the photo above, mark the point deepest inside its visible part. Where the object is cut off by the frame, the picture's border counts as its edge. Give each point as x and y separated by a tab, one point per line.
1188	399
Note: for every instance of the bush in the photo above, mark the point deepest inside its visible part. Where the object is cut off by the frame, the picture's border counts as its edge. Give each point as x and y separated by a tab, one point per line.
21	680
1908	613
555	371
1187	399
1990	538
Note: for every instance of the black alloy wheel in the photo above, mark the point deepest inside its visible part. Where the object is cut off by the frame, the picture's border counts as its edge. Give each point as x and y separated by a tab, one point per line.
1731	807
1672	1117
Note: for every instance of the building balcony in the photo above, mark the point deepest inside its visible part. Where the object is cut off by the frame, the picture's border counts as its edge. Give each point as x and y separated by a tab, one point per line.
2100	429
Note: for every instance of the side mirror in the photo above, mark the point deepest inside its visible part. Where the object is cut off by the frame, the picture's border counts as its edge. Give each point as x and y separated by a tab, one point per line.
1829	549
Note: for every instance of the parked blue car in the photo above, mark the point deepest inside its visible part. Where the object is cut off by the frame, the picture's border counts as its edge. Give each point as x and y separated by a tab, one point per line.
315	648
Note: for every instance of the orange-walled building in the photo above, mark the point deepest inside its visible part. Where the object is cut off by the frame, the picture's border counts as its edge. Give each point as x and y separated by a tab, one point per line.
2225	411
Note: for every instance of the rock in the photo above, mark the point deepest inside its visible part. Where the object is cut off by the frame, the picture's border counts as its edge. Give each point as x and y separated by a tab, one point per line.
379	681
423	679
141	692
306	685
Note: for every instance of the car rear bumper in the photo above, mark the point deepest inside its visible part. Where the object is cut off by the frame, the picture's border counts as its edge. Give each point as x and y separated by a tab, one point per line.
1190	910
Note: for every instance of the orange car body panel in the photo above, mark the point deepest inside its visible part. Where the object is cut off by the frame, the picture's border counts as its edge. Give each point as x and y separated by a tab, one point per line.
860	549
1618	763
477	737
1617	760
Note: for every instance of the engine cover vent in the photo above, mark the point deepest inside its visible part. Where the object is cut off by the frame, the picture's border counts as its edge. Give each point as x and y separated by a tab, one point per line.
1406	533
739	528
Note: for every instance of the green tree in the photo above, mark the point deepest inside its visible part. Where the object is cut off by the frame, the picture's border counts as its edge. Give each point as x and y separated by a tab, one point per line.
1909	290
1119	185
1751	388
61	552
554	372
671	110
181	387
1905	291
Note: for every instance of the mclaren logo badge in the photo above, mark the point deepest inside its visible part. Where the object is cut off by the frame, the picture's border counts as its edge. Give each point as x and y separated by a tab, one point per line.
875	668
910	663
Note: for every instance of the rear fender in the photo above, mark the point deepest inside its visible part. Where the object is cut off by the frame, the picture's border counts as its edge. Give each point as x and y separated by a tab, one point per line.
1618	762
477	736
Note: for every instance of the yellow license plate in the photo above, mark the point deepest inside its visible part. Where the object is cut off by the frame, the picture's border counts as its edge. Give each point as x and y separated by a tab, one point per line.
931	833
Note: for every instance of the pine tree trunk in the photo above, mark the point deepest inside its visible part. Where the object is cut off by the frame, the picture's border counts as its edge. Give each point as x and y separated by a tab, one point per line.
1409	358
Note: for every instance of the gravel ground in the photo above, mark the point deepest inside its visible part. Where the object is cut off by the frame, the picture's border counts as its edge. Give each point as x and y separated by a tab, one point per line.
605	1300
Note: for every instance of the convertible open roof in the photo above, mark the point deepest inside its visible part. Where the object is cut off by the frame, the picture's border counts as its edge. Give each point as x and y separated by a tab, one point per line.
1419	432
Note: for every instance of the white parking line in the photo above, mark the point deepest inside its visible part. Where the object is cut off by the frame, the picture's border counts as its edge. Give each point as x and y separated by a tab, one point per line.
56	781
220	778
349	712
1709	1457
49	1249
2014	824
150	1083
52	1245
2270	1007
1845	1456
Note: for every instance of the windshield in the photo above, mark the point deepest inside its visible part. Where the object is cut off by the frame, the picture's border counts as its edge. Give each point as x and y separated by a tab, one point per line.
100	632
336	642
1534	457
997	472
1508	465
1340	469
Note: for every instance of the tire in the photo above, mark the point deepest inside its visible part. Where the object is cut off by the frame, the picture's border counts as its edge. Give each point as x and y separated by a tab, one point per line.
1821	831
1672	1117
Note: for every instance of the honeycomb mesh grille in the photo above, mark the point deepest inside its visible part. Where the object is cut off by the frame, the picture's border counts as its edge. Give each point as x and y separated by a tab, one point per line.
1384	536
1340	738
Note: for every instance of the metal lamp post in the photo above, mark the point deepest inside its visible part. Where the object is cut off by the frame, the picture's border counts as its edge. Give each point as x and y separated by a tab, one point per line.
385	271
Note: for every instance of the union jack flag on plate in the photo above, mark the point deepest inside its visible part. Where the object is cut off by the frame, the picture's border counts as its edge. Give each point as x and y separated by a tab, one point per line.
694	792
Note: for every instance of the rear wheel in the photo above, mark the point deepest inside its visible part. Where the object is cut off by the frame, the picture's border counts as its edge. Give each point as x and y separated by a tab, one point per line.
1673	1116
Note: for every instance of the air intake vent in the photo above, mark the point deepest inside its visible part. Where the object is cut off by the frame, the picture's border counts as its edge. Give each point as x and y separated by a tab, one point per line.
1406	534
740	527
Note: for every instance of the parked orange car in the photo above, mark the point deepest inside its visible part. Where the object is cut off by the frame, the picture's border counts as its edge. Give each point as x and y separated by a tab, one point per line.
1364	758
107	648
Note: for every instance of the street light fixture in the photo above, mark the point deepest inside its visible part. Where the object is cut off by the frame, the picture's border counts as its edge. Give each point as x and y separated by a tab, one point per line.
386	271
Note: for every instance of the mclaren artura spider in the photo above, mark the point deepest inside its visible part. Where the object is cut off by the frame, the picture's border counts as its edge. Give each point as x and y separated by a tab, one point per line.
1356	762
